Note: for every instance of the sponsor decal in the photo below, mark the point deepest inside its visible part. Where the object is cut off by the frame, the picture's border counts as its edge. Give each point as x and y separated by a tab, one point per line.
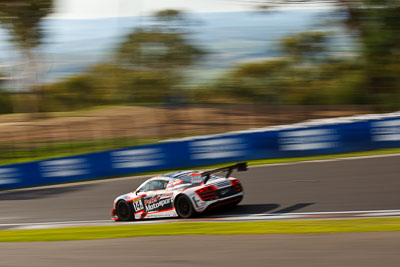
156	203
308	139
218	148
9	176
385	130
174	183
166	195
64	167
167	213
137	158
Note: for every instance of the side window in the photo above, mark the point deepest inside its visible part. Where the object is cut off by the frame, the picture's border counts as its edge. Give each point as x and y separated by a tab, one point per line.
145	188
154	185
159	184
163	184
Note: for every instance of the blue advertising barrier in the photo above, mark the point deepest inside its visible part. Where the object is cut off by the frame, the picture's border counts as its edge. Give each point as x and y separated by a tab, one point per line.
317	137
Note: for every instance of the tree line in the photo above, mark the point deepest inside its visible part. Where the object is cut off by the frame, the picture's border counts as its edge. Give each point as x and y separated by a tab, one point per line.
148	66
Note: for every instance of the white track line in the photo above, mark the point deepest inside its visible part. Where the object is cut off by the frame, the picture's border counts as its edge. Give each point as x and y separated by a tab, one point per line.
319	213
239	217
55	223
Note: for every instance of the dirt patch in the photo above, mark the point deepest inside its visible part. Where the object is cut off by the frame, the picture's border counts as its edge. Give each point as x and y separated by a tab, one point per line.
156	122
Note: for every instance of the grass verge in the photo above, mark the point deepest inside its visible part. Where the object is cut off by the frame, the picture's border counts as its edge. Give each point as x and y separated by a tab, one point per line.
204	228
32	151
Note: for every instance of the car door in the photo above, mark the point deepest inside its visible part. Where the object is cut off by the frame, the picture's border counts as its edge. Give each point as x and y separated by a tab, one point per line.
144	192
155	198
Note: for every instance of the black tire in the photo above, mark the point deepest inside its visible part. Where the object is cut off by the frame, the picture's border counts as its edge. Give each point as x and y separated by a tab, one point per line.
184	207
124	211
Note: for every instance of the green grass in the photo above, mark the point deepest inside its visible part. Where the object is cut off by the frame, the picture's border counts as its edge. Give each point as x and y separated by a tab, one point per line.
204	228
25	152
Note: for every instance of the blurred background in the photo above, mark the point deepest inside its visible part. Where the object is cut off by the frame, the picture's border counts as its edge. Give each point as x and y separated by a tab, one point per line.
83	76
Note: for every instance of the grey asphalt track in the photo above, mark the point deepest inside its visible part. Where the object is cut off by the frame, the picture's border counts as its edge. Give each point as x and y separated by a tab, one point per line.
350	249
343	185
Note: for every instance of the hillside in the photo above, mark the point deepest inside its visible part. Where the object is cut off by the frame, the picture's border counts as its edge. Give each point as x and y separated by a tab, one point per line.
72	45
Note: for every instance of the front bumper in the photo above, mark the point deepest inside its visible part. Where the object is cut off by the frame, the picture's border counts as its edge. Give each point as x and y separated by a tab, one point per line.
114	216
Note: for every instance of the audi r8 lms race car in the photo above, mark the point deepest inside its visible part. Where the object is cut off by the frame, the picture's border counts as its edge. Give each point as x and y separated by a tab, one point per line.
181	194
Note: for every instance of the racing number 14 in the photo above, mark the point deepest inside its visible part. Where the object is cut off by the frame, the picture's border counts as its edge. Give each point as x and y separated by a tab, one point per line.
138	205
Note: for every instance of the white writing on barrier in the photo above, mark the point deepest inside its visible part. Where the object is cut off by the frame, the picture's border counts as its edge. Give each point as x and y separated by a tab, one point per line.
308	139
8	176
218	148
137	158
386	130
64	167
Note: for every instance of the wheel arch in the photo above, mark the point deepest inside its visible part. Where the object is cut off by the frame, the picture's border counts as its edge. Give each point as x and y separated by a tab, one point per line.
188	197
179	196
129	203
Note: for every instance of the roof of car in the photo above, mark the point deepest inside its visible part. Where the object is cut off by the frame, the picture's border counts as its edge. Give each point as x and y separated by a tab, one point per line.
159	177
178	173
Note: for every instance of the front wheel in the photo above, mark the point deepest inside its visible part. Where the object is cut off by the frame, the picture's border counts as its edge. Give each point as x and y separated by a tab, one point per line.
124	211
184	207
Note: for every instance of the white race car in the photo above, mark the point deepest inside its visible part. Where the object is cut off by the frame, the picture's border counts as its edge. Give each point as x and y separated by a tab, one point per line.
181	194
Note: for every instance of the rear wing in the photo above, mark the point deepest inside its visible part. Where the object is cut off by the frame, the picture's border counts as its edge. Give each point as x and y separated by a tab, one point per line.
242	166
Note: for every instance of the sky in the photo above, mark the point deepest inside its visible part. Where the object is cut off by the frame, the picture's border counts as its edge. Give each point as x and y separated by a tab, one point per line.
121	8
87	9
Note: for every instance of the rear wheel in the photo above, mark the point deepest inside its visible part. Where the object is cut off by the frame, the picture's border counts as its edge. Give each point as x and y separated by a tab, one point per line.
184	207
124	211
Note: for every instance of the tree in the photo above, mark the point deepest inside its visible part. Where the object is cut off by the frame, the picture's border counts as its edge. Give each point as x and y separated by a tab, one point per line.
376	24
261	82
163	49
148	69
156	49
163	46
310	45
22	18
304	75
112	81
170	18
5	98
69	94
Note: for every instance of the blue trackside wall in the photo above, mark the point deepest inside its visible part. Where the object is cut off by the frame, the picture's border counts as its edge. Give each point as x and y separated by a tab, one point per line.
317	137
